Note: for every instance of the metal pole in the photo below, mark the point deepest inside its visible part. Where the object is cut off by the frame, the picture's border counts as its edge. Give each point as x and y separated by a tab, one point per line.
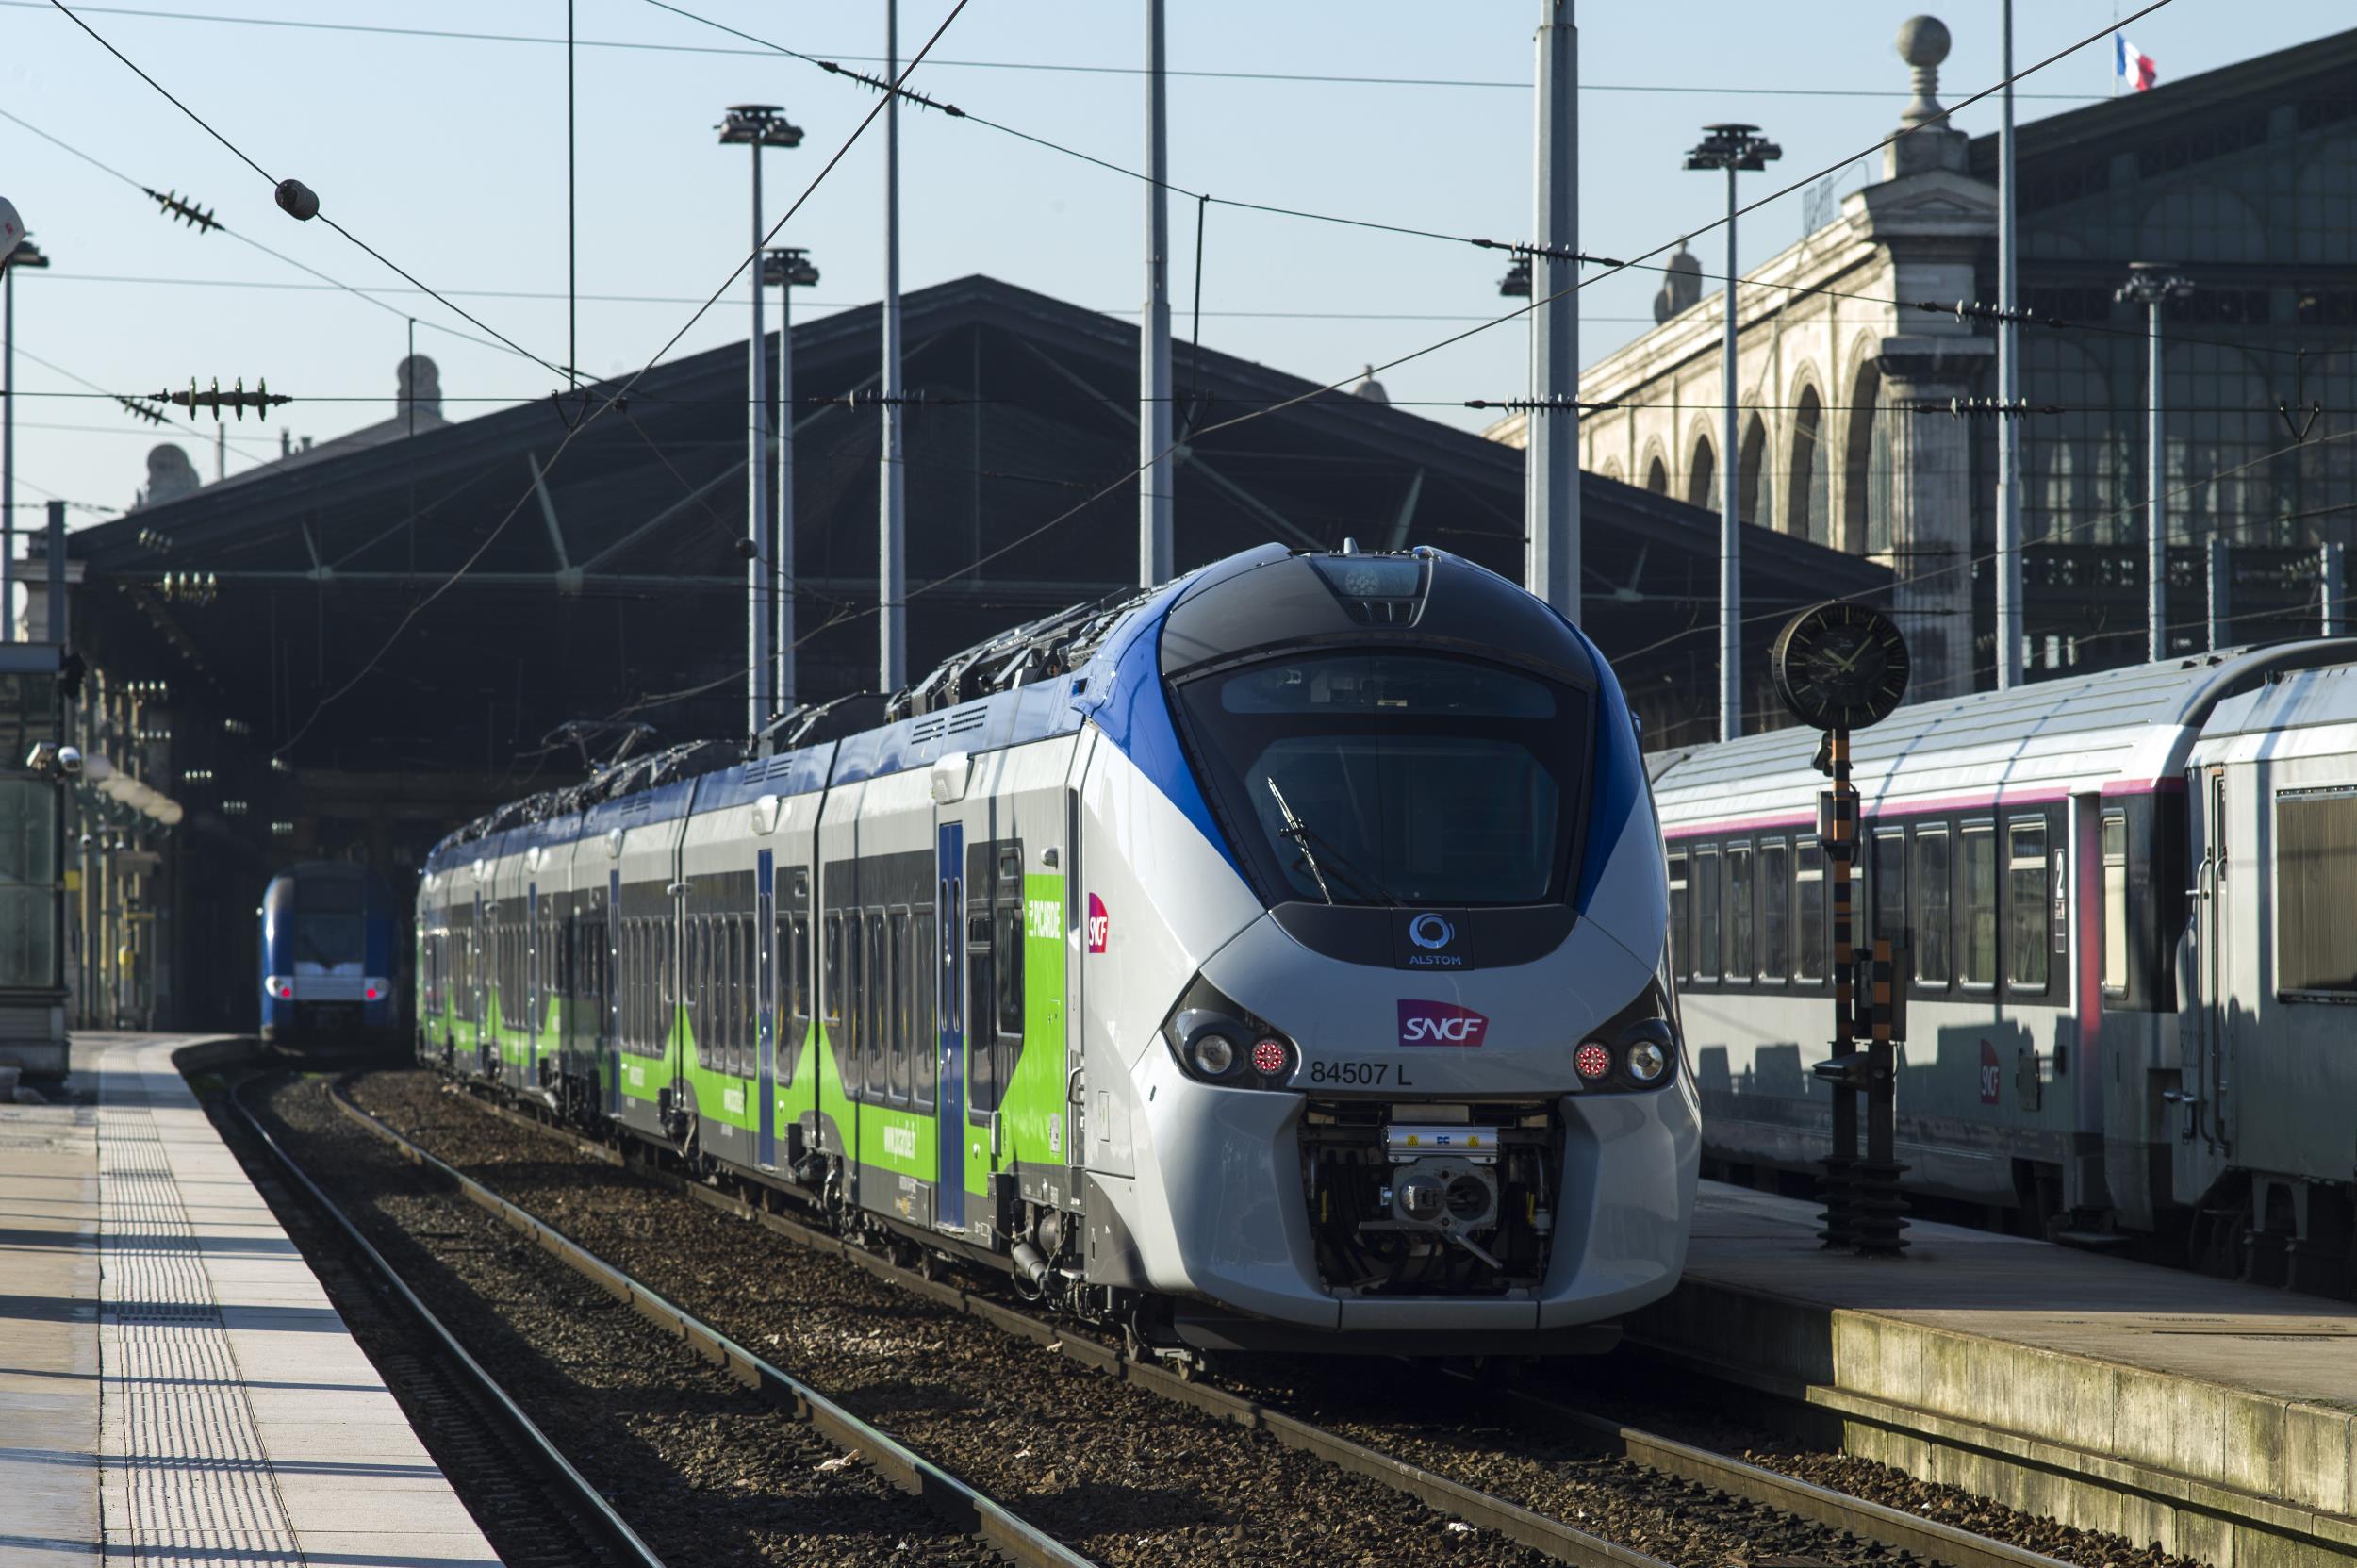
2010	624
1154	510
2334	597
1551	453
1730	526
757	695
2156	547
7	454
59	619
2221	585
572	250
784	644
891	563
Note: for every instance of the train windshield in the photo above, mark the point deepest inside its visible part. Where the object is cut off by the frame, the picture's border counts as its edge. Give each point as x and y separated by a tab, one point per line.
327	926
1386	777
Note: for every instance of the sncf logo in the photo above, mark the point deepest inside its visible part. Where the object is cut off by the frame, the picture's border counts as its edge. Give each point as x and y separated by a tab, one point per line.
1440	1023
1100	924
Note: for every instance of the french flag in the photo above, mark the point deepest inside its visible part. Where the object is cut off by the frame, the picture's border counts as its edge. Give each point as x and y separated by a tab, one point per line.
2133	65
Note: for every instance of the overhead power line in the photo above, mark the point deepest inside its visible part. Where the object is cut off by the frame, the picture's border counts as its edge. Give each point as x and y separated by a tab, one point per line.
1053	67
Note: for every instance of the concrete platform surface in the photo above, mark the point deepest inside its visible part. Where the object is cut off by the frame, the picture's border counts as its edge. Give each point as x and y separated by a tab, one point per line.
2216	1417
174	1387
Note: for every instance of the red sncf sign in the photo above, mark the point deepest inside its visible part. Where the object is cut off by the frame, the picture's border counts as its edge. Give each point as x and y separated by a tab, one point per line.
1440	1023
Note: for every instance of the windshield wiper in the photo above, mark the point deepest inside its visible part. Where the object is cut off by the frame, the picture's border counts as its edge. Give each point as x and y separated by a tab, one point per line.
1302	835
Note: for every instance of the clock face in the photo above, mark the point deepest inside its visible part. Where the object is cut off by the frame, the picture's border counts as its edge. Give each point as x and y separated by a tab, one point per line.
1840	666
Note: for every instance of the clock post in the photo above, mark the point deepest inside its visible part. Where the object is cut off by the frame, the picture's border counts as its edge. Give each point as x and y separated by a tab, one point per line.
1839	667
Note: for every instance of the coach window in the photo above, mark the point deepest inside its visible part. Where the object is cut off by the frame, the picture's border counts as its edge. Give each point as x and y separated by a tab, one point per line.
1776	910
1706	923
1976	904
874	1046
924	1029
2115	841
1681	941
830	1008
2315	945
1889	883
797	952
1742	913
1808	906
896	1002
2026	916
1010	944
1932	963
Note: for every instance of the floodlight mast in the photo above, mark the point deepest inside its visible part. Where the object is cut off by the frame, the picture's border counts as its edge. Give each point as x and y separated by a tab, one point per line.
2152	285
1737	149
757	126
789	268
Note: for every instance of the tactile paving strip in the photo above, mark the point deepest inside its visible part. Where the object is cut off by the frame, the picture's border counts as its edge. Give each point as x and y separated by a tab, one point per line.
183	1481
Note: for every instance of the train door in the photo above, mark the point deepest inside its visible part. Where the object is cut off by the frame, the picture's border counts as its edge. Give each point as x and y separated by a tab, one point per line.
947	966
2202	1044
765	1007
478	979
1029	915
535	978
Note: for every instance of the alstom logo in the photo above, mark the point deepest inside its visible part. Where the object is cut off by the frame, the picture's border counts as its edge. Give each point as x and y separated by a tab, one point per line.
1440	1023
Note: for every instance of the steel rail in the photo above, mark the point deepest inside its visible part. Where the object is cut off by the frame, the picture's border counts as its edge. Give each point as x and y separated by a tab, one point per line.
1737	1477
611	1529
969	1510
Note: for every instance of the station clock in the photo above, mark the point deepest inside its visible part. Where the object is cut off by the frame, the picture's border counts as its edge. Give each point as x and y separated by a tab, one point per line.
1840	666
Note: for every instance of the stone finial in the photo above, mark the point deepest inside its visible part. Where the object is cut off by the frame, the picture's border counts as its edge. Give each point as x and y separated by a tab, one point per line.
1923	43
1371	388
170	476
1681	284
418	378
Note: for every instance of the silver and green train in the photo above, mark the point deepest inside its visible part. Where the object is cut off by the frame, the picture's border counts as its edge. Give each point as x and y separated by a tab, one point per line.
1274	961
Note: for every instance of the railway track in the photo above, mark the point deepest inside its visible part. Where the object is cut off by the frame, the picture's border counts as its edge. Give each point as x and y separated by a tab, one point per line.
474	1428
837	1437
1817	1523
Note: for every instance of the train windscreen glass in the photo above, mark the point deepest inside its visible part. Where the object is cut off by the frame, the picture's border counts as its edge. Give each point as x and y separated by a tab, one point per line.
1394	778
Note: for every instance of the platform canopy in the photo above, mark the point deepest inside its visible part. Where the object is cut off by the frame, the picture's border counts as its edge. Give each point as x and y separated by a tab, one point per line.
443	602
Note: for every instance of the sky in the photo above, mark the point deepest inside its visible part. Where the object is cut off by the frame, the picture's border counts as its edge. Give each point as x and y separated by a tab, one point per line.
447	155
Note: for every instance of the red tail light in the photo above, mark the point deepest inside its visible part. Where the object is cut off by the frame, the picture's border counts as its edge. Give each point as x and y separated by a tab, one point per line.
1592	1062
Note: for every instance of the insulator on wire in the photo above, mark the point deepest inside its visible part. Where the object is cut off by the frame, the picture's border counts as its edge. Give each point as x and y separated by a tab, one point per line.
1553	253
1984	408
183	208
1973	310
261	400
880	85
1540	405
147	411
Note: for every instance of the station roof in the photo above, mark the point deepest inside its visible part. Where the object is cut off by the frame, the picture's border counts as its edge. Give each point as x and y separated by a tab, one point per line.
443	602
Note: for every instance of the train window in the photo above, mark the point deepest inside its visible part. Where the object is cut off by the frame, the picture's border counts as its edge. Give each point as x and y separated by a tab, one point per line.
795	961
1741	912
873	1019
1808	910
1932	964
1888	880
2115	848
981	1041
733	1053
1976	905
1776	910
1009	941
1681	940
1707	912
2315	949
831	982
924	1031
2026	885
896	1000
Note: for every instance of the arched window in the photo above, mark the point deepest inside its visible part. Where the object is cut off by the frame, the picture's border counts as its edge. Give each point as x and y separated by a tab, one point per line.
1807	512
1701	477
1658	478
1866	494
1758	502
1612	469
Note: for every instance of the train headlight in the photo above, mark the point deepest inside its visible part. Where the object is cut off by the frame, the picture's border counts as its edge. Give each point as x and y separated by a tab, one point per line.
1216	1041
279	986
1647	1061
374	989
1213	1052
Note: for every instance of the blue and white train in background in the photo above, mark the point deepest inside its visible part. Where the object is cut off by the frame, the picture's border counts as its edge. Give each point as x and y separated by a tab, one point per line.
331	957
1275	961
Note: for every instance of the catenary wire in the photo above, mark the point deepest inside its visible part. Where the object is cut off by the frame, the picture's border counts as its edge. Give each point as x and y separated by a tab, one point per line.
324	216
598	408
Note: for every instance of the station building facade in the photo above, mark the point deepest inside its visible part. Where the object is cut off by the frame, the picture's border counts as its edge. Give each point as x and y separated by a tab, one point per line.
2243	180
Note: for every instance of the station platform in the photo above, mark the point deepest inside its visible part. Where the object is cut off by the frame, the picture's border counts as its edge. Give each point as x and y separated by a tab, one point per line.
174	1387
2211	1416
